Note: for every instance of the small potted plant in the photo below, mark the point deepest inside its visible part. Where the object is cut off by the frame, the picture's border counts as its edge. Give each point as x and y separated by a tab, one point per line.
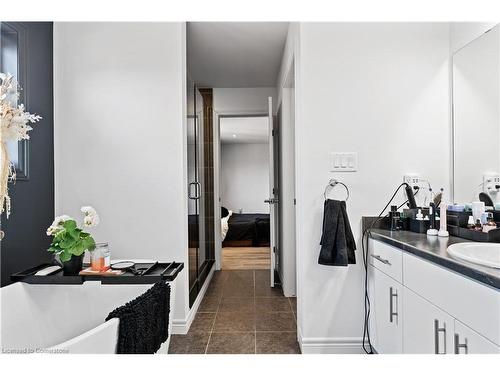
70	242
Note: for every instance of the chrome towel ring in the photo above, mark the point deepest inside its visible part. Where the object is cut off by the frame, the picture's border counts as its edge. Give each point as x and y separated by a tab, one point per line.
331	184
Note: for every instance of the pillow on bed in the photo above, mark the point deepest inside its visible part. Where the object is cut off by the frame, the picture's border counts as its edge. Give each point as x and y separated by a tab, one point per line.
224	225
224	212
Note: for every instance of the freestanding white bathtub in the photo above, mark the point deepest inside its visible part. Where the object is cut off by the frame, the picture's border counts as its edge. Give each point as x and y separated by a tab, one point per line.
64	318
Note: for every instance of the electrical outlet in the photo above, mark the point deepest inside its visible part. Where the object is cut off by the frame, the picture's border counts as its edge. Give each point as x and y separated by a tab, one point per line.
491	182
412	179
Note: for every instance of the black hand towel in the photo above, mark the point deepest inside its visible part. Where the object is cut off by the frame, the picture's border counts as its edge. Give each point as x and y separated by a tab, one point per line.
143	321
337	241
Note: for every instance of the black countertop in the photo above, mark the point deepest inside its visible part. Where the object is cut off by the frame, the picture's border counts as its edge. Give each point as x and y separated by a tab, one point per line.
434	249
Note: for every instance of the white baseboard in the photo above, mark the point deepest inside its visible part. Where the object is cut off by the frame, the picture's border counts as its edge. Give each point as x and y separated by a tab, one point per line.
331	345
181	326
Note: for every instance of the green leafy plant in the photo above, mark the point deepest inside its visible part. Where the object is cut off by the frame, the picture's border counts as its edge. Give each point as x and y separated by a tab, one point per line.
70	240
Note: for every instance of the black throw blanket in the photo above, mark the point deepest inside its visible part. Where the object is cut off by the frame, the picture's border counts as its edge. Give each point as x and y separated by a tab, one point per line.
337	241
144	321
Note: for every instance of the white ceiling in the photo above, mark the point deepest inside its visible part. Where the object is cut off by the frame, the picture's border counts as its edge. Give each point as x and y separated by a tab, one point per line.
235	54
243	130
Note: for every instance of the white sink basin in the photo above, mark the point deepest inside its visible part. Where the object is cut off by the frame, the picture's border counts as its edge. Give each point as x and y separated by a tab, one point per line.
483	253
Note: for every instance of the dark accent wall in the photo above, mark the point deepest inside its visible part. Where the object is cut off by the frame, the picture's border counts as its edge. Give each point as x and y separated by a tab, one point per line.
25	241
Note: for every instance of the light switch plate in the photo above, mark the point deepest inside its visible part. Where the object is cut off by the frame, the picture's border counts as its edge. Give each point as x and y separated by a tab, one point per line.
343	161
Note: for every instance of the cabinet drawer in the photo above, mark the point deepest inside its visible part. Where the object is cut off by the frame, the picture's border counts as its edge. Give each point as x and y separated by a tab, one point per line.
467	341
474	304
387	259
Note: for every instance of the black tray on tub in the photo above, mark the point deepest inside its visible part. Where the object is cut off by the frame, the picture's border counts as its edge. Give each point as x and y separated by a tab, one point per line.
156	271
28	276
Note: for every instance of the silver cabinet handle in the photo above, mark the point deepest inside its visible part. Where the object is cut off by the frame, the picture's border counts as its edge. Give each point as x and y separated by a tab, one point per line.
437	330
393	313
380	259
459	346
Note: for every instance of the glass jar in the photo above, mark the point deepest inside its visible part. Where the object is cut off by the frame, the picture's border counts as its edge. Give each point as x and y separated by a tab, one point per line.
100	257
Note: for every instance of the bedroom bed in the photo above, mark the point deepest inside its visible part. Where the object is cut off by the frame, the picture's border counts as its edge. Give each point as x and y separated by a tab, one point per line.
247	230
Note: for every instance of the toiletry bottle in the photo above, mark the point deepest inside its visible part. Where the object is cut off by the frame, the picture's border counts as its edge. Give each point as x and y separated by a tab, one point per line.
420	215
470	223
477	209
478	227
484	218
396	221
490	223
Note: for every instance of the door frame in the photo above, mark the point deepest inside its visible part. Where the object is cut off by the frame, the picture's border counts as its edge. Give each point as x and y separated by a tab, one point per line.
217	175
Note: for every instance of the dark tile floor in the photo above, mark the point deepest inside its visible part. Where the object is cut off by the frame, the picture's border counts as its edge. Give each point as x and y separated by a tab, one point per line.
240	314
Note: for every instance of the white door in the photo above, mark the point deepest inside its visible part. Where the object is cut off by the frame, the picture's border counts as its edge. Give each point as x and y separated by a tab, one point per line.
272	199
428	329
386	325
467	341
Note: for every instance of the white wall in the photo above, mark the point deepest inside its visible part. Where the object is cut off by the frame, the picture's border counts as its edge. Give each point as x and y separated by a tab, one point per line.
381	90
462	33
288	270
120	143
245	177
249	100
286	98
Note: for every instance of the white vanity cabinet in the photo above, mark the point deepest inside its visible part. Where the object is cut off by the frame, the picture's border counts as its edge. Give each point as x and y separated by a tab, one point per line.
433	310
386	293
386	325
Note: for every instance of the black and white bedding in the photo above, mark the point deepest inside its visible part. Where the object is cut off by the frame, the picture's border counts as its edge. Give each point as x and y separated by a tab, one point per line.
247	227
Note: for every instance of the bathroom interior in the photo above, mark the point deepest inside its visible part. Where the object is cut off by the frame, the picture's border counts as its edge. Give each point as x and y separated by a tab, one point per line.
382	192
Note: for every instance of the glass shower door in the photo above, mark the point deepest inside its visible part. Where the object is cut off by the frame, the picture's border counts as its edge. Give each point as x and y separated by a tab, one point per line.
198	259
193	191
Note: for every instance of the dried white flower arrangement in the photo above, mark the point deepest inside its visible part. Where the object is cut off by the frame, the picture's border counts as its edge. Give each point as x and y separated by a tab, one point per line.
14	126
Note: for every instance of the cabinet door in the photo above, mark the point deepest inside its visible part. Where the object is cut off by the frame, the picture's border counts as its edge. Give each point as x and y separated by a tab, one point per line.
385	319
427	329
467	341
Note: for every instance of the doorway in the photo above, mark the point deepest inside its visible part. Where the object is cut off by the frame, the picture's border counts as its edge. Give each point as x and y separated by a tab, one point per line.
244	180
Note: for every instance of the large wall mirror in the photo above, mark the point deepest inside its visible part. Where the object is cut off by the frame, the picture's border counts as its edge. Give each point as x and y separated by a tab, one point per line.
13	61
476	118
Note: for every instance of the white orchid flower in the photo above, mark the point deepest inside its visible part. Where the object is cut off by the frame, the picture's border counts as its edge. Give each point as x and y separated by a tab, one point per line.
91	218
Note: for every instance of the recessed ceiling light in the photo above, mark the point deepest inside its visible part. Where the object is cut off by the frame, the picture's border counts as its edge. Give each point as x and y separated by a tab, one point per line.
234	135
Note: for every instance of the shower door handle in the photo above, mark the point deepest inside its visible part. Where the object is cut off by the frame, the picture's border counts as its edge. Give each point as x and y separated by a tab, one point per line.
197	189
271	201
